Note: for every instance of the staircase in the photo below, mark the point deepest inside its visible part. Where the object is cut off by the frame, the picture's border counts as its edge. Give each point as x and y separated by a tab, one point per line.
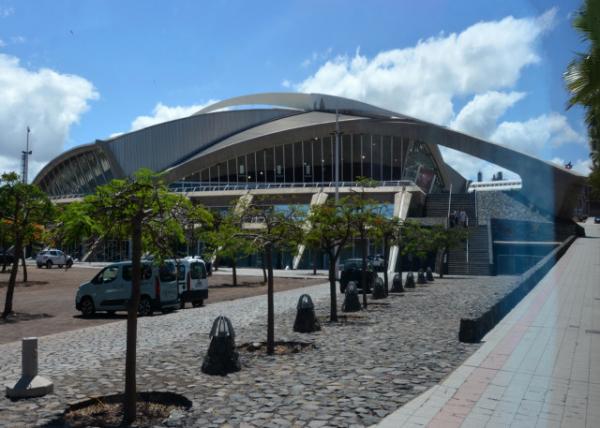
436	205
478	254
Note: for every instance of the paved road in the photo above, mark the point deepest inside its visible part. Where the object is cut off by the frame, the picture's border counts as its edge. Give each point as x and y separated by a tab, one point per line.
54	295
539	367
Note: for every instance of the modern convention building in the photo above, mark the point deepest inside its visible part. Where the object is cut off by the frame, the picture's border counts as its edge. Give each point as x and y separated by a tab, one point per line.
282	146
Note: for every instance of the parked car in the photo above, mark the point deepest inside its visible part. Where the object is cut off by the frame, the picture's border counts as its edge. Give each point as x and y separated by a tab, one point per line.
7	256
192	281
352	270
110	290
597	220
377	261
53	257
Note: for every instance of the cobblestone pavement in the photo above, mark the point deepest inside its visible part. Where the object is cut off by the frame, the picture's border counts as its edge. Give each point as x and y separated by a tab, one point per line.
359	372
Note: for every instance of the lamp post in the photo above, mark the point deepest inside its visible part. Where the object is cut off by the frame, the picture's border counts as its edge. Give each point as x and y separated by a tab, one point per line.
26	154
337	134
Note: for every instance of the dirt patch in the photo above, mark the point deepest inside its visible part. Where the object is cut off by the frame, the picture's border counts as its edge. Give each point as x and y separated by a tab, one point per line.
281	348
152	409
20	316
4	284
56	296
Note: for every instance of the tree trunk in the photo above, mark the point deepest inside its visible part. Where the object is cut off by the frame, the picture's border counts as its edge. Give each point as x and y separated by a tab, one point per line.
129	403
333	309
386	256
264	269
315	256
10	290
24	280
270	309
440	262
363	278
234	271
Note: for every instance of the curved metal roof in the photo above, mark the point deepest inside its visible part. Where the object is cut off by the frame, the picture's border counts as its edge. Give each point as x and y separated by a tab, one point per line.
304	102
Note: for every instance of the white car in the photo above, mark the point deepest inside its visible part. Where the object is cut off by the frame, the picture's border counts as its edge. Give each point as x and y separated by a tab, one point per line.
53	257
110	290
192	281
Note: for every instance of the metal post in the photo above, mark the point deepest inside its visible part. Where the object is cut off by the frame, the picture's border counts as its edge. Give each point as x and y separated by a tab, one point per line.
337	156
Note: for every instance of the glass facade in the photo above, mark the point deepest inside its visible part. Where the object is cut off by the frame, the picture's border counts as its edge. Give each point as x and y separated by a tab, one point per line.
380	157
79	174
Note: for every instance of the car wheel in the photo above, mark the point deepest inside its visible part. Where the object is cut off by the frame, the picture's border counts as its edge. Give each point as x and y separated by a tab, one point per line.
49	264
182	304
39	265
145	307
87	307
111	313
198	303
69	263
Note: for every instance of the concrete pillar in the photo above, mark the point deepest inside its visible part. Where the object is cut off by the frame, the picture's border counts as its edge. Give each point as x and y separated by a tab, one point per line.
401	205
30	384
317	199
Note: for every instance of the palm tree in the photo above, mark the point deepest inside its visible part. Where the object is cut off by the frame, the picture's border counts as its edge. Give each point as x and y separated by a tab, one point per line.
583	73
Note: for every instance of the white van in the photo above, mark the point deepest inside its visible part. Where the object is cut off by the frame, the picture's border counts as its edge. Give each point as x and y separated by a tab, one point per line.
192	281
110	289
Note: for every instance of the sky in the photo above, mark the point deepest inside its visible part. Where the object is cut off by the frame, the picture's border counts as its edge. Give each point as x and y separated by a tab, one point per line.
77	71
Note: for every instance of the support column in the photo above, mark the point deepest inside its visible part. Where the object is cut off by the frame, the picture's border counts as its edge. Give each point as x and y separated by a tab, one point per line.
317	199
401	205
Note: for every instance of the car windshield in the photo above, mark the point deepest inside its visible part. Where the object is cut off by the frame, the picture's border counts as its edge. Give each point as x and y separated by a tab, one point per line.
167	272
197	271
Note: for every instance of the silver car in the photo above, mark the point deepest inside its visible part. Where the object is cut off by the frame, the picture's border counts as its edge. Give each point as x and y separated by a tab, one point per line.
53	257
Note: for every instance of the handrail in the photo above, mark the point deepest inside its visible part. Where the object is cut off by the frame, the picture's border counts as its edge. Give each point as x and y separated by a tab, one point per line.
199	186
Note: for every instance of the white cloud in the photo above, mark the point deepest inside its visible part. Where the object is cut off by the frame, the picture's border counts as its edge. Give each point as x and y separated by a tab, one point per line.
533	136
163	113
45	100
2	43
468	166
286	83
480	115
424	80
581	166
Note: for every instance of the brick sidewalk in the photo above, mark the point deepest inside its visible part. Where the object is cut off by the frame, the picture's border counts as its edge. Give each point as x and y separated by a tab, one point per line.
539	367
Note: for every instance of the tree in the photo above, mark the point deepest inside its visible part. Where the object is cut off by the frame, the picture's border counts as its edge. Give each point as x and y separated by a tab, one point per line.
266	229
363	213
330	230
388	232
416	240
442	240
141	209
583	78
22	207
226	242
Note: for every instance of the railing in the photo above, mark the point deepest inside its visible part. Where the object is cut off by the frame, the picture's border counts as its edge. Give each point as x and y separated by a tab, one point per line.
198	186
187	186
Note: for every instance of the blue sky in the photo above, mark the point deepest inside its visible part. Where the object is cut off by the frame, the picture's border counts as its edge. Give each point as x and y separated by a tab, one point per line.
76	71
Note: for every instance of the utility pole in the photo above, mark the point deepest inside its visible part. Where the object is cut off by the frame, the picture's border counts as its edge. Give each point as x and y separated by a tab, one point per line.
25	158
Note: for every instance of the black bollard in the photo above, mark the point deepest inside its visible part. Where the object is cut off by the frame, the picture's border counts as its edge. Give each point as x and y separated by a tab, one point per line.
351	301
221	358
421	277
306	320
429	275
397	284
378	289
410	280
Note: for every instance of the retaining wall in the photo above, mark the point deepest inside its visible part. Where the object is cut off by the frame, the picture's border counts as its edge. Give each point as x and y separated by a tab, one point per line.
473	329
